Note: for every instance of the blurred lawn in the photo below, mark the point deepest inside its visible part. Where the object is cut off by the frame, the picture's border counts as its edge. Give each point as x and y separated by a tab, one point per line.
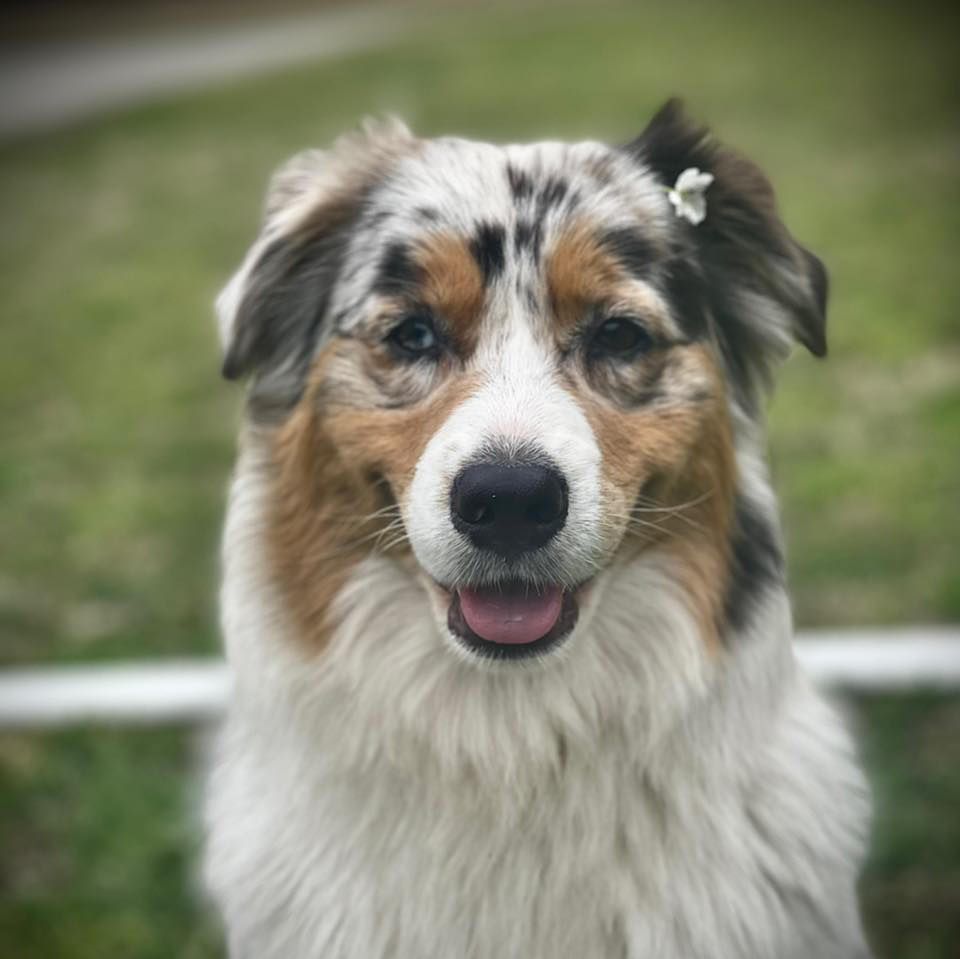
117	435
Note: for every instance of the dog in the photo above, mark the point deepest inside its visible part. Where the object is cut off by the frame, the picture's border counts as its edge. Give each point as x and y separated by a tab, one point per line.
504	597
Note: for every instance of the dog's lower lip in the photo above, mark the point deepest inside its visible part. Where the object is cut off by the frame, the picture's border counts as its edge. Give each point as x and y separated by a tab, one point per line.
551	616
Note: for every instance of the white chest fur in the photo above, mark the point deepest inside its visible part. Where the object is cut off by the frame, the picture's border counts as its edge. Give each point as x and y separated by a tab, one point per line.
605	858
636	800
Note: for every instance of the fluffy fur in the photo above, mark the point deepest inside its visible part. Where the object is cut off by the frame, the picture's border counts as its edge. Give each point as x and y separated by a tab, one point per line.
662	783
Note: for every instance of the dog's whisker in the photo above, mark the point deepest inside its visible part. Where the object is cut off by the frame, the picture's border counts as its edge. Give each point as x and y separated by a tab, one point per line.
394	543
639	526
667	512
390	536
393	509
646	505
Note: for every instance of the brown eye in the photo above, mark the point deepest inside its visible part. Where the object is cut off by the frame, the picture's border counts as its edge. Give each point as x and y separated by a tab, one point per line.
415	337
619	336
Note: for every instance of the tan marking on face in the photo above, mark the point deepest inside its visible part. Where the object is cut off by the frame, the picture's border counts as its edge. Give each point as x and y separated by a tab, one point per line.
453	287
677	462
579	273
392	441
582	273
700	534
317	530
334	467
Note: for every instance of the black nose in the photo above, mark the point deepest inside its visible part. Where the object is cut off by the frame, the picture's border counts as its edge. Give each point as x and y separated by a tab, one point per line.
509	508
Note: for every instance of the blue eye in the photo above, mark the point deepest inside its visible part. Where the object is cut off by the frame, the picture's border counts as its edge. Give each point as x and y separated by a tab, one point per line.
414	337
619	336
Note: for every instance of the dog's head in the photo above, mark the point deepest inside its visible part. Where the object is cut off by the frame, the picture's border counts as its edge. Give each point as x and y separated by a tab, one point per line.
512	370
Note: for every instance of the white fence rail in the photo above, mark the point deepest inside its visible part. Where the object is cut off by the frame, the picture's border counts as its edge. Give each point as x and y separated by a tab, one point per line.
190	691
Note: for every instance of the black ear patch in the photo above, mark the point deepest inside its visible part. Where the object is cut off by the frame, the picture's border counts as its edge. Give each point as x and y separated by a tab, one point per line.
671	143
813	333
285	300
286	295
756	287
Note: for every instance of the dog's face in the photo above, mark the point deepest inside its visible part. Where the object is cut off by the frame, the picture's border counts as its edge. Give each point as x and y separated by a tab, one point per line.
512	370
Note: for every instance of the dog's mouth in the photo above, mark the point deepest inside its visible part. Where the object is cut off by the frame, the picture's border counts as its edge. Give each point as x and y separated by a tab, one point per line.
512	620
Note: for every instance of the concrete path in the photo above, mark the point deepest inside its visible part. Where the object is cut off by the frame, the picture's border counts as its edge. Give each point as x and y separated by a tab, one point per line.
51	84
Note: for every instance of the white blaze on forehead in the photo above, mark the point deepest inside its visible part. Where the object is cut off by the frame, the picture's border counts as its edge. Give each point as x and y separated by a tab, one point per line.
468	182
520	405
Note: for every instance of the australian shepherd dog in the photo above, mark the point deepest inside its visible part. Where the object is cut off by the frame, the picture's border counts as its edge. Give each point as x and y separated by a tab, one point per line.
504	596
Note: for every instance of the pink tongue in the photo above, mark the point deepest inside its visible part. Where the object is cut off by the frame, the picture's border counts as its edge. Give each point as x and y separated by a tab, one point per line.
511	617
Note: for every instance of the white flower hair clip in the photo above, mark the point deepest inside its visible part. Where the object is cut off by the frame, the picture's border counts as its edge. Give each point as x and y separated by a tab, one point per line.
688	195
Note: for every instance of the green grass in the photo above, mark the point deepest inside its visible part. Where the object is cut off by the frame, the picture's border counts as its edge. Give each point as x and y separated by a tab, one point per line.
117	434
99	837
911	890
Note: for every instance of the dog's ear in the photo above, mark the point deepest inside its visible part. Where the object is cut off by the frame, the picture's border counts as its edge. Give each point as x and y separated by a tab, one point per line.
270	314
758	288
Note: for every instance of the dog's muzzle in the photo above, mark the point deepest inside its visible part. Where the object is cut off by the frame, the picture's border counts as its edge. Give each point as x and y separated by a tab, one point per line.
509	509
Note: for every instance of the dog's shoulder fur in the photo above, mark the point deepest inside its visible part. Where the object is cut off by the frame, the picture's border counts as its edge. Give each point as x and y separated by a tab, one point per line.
665	784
